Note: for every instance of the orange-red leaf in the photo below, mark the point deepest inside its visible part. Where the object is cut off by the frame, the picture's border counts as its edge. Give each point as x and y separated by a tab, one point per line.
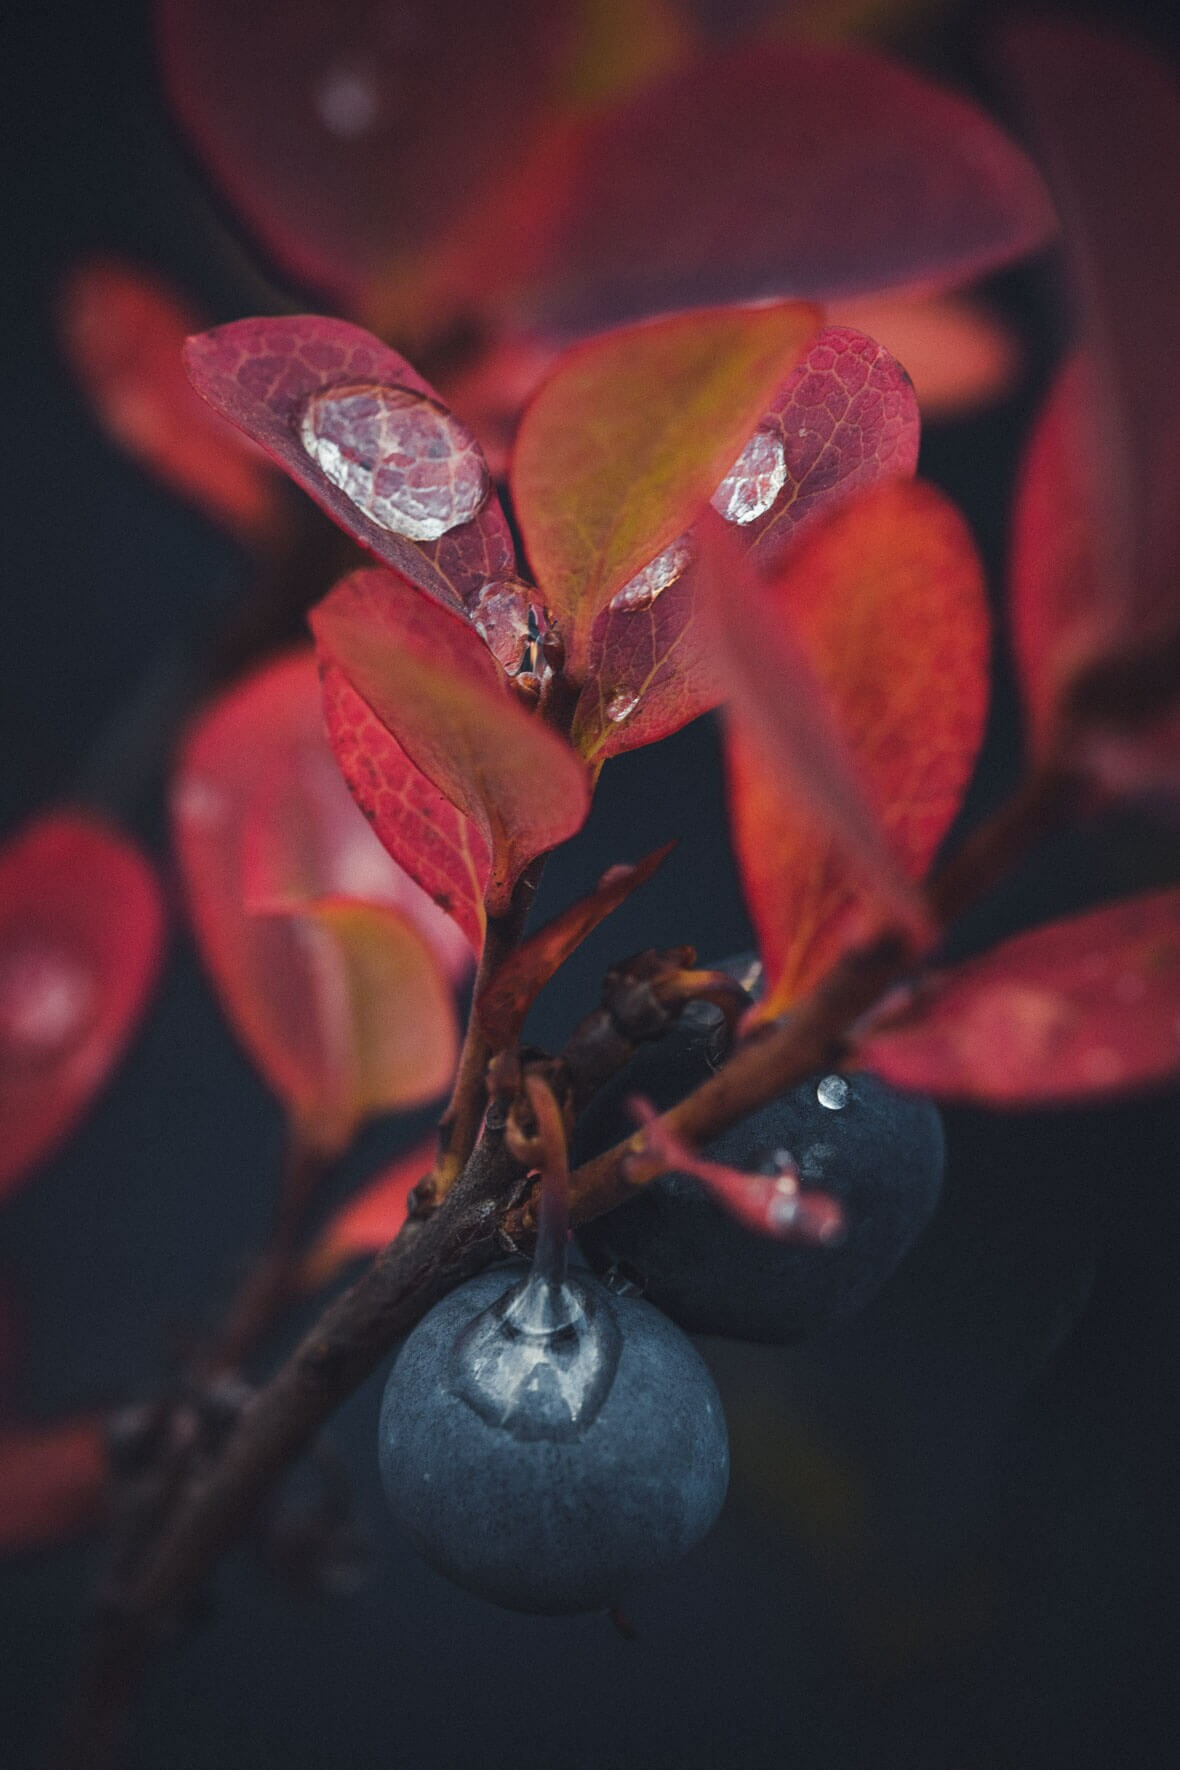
262	818
430	679
1079	1009
123	331
510	994
51	1482
372	1217
886	600
81	936
628	439
368	439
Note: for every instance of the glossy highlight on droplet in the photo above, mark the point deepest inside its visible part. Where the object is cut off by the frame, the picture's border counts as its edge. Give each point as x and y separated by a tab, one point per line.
504	616
620	705
408	466
755	480
659	575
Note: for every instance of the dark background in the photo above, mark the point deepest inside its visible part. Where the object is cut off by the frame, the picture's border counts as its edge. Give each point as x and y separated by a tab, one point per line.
947	1537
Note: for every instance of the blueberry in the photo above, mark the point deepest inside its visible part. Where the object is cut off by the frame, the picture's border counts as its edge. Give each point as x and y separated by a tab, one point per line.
877	1151
544	1445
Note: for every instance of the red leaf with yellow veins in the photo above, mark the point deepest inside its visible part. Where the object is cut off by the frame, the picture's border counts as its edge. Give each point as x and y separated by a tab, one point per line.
844	418
431	681
1082	1008
344	134
510	994
382	1012
629	437
51	1482
774	169
364	1224
261	816
886	601
81	938
368	439
123	331
439	848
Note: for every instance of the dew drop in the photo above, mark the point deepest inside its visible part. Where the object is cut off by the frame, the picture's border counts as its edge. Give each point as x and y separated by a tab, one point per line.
754	481
504	617
47	999
662	572
621	704
405	462
347	98
832	1092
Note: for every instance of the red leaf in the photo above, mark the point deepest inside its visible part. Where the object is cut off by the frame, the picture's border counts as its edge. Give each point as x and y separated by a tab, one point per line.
123	332
845	418
337	408
510	994
430	680
886	601
769	1204
350	135
51	1482
439	848
81	937
958	353
262	817
772	169
365	1222
1085	1007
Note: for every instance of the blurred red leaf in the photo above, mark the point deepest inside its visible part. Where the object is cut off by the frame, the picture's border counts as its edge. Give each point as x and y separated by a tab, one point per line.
262	818
845	417
123	331
372	1217
344	134
510	994
772	169
430	680
886	601
769	1204
338	409
1084	1007
628	438
81	938
959	355
439	848
51	1482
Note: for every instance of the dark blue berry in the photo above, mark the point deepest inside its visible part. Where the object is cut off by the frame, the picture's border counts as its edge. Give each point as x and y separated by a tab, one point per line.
545	1445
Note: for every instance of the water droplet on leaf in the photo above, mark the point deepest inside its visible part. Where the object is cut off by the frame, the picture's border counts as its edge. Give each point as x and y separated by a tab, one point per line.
621	704
754	481
832	1092
405	462
662	572
47	999
505	618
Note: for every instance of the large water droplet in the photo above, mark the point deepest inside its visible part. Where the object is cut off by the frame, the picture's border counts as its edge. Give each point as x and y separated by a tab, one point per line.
832	1092
504	616
47	999
754	481
620	705
663	571
405	462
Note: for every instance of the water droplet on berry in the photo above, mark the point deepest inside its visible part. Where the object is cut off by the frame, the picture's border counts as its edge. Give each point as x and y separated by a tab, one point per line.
621	704
754	481
504	617
405	462
47	999
662	572
832	1092
347	98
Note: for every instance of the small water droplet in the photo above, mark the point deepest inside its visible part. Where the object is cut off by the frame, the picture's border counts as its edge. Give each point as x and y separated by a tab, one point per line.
405	462
832	1092
347	97
754	481
47	999
656	577
505	618
621	704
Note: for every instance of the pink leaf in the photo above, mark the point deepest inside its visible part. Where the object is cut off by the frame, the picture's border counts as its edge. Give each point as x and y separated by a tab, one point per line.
369	439
1081	1009
81	937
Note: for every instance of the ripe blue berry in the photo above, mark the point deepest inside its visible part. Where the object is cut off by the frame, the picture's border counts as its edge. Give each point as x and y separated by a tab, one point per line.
544	1443
878	1152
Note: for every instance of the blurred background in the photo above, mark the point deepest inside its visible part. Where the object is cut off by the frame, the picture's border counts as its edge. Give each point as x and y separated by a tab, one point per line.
947	1539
